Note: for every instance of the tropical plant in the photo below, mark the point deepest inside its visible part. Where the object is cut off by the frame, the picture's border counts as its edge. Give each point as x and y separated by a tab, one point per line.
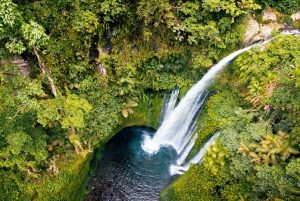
215	157
272	149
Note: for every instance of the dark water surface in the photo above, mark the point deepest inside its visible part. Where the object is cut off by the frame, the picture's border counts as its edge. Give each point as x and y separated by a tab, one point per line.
127	172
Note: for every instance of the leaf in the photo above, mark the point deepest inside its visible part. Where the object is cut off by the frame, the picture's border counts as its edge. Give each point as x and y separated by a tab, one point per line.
125	112
130	110
131	104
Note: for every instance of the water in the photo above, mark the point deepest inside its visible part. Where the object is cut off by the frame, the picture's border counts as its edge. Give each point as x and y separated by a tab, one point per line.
196	159
127	172
168	105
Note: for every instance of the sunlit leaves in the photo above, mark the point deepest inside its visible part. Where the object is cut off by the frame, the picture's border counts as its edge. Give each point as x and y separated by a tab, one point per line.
113	10
128	108
15	46
8	14
272	149
35	34
269	74
233	8
69	111
85	22
215	156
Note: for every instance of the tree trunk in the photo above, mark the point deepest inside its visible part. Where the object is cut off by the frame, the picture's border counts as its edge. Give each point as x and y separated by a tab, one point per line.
44	71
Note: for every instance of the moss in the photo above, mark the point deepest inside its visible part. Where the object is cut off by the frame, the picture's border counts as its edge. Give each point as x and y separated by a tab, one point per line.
150	104
145	114
296	24
75	188
167	193
66	185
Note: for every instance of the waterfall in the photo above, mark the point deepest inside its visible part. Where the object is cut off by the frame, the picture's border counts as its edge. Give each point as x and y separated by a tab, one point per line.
149	112
187	150
176	128
168	105
179	123
197	158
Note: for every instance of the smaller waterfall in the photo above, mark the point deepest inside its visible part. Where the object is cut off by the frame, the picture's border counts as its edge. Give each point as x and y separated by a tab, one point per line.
149	113
197	158
168	105
187	150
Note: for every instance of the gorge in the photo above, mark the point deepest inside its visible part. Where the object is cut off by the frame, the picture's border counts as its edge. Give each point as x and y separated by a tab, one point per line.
137	163
101	100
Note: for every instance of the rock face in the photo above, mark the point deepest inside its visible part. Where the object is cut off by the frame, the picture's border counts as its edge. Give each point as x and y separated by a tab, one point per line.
268	15
266	30
18	60
296	16
256	31
24	65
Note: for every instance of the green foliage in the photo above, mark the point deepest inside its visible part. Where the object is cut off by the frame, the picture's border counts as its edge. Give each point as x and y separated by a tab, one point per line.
268	84
217	109
285	6
215	157
270	182
271	150
233	8
69	111
152	46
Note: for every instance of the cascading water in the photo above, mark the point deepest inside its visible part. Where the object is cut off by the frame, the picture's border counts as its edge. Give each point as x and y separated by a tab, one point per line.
197	158
174	129
177	128
168	105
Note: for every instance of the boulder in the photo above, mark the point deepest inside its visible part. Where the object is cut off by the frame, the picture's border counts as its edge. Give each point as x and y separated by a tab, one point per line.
296	16
252	30
268	15
256	31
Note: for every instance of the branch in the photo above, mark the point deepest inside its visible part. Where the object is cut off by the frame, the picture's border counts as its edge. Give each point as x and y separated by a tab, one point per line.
44	71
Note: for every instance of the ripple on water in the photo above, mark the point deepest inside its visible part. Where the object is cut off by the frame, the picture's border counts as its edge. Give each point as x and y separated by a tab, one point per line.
127	172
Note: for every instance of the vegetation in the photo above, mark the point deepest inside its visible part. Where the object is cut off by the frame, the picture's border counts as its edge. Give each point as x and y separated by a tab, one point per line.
259	140
285	6
94	63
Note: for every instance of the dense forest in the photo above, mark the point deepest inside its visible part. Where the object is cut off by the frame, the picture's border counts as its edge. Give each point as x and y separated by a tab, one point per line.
88	66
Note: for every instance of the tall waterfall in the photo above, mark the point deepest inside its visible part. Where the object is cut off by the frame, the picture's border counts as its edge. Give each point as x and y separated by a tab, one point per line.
178	125
176	128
